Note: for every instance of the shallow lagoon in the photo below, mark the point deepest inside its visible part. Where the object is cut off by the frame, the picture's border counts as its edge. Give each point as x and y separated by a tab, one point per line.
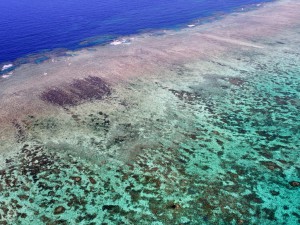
213	140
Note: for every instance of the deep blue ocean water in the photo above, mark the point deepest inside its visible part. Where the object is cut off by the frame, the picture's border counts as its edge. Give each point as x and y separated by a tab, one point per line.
31	26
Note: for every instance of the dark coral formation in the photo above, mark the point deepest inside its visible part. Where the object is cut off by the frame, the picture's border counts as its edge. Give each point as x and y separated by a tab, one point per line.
185	95
294	183
80	90
59	210
236	81
20	133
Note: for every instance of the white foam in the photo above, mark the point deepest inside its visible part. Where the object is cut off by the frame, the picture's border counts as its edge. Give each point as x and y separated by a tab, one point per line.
119	42
191	25
7	75
116	42
5	67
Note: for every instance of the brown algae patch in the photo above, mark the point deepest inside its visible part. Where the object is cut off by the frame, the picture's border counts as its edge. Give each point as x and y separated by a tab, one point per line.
90	88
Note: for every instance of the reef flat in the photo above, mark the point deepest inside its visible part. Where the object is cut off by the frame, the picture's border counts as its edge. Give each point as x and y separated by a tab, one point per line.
196	126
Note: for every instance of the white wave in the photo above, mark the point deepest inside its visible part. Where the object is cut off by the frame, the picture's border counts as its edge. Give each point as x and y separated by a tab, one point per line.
5	67
7	75
116	42
191	25
119	42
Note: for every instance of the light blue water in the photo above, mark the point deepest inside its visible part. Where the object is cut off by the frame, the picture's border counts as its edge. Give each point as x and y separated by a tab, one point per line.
30	26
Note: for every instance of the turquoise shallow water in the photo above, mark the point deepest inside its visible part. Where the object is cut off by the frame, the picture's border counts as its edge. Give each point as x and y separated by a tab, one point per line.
218	147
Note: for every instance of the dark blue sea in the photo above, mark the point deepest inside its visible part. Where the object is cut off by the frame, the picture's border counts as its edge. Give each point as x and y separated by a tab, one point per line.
32	26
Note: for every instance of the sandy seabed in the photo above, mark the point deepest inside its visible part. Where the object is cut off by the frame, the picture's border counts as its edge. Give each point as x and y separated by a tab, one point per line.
196	126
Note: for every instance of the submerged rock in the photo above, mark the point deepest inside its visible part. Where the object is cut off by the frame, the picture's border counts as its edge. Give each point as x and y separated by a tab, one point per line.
92	180
76	179
110	207
59	210
294	183
175	206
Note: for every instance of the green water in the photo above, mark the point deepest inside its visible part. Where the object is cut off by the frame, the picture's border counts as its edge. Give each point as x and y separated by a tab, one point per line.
211	142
